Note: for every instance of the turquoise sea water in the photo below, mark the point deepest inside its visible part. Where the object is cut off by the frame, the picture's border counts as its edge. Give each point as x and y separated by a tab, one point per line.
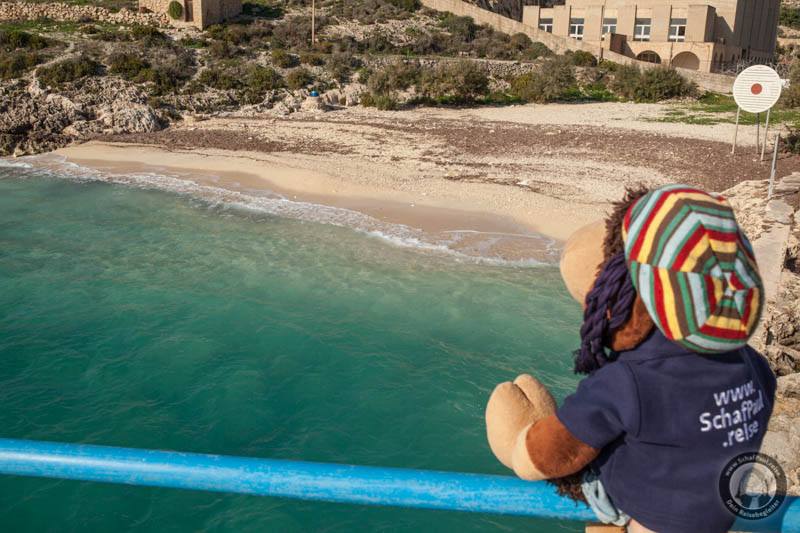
138	317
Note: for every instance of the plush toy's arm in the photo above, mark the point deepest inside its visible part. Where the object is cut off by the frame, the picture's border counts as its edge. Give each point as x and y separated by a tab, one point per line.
554	450
526	436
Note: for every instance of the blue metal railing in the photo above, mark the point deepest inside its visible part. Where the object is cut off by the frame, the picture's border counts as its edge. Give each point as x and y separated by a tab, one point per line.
314	481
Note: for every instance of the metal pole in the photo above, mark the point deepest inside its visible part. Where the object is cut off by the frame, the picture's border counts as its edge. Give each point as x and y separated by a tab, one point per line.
401	487
313	22
774	167
766	135
368	485
736	131
758	132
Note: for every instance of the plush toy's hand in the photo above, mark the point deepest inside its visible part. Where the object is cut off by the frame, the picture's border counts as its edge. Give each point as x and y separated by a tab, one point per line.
512	409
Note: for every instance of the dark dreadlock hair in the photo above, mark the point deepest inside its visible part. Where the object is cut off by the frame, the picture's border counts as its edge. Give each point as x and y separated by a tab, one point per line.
610	302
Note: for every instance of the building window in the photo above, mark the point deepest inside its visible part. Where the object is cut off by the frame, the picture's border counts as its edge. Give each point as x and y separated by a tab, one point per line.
576	29
677	30
546	25
609	26
642	30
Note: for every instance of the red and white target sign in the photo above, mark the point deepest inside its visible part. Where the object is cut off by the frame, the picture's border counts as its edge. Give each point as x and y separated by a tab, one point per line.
757	89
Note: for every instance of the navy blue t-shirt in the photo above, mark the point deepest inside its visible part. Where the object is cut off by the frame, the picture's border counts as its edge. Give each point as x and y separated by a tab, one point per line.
668	420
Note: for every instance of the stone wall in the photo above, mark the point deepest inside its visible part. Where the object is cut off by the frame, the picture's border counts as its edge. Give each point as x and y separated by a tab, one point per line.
155	6
77	13
709	81
493	67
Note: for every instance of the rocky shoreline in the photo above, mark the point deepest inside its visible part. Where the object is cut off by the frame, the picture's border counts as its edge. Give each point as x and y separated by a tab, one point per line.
779	336
33	120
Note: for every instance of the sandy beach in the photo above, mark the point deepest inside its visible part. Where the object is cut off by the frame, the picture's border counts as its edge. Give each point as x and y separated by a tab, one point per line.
500	177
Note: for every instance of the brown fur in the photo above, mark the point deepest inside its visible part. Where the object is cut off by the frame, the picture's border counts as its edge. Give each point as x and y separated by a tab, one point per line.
635	330
555	451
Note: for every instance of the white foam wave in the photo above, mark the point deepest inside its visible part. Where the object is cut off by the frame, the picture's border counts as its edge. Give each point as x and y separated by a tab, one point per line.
277	205
10	163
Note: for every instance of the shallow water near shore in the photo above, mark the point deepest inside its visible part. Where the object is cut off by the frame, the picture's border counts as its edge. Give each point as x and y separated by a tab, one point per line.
144	318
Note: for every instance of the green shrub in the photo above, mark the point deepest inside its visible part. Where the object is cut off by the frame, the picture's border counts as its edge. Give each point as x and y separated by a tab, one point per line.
520	41
11	40
67	71
396	76
377	43
464	38
372	11
310	58
218	78
790	97
325	47
581	58
251	81
251	34
127	65
175	10
223	50
459	82
626	80
555	80
239	34
108	35
380	101
363	74
149	36
790	16
598	92
406	5
258	80
165	80
15	64
340	66
256	8
264	78
650	85
299	78
295	32
662	84
193	42
462	27
168	77
537	50
791	143
283	59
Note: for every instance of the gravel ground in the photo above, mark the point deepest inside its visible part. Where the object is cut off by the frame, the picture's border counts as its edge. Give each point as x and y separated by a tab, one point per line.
582	153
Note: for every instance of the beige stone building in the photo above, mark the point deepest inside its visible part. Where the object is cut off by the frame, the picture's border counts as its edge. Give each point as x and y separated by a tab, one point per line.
709	37
198	13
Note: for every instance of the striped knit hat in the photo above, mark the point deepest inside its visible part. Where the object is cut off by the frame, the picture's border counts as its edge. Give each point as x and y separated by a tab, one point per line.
694	268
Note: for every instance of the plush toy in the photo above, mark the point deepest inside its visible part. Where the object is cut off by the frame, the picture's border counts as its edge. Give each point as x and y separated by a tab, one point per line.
671	293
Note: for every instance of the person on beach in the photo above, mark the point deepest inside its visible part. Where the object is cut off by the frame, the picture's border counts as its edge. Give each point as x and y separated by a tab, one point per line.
673	391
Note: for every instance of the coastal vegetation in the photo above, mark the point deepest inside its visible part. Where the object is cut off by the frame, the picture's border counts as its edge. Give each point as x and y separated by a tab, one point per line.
22	50
435	59
387	54
68	70
790	16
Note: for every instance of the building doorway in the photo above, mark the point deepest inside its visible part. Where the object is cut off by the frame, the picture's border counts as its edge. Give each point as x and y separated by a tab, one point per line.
686	60
649	57
189	10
